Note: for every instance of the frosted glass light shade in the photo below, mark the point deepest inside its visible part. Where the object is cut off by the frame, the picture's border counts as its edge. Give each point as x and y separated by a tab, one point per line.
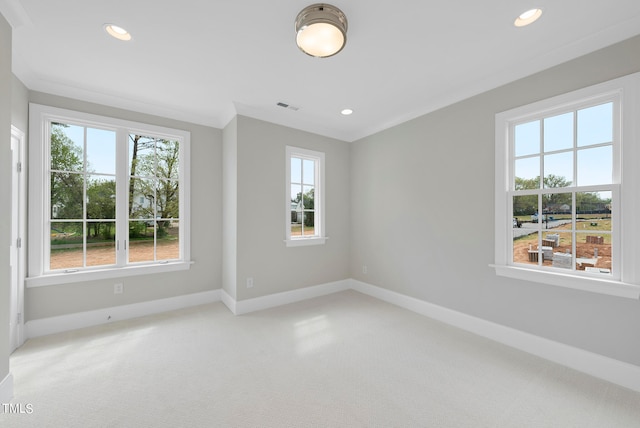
321	30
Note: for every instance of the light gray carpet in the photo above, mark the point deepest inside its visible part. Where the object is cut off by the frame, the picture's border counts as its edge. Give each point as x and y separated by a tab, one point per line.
344	360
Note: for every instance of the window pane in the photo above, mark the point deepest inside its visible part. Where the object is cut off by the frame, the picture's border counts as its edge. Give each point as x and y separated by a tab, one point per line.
101	243
141	241
561	249
142	156
527	138
308	197
527	173
525	246
308	169
308	225
558	170
525	235
556	209
141	198
296	228
167	240
66	246
296	170
593	252
167	198
101	197
593	211
595	166
67	142
168	159
595	125
523	208
558	132
296	193
101	151
66	195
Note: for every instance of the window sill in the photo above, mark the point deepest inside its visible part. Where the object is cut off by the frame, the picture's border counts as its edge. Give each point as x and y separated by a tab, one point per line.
98	274
301	242
585	283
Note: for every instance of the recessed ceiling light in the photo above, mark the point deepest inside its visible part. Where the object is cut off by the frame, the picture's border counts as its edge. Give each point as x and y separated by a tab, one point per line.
117	32
346	112
528	17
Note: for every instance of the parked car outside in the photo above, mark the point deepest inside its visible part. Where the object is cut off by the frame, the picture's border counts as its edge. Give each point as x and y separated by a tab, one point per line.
534	218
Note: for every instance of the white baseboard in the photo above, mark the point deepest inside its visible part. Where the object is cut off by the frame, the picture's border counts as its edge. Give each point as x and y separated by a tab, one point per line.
6	389
278	299
44	326
228	301
609	369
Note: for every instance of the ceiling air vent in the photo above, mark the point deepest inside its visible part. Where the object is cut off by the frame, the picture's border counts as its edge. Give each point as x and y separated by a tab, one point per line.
288	106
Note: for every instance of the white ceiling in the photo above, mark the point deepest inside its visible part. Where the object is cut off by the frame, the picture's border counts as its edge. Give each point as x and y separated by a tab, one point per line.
205	61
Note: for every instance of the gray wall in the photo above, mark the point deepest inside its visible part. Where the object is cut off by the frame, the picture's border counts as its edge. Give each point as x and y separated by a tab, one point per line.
5	191
20	106
206	221
422	216
261	252
230	206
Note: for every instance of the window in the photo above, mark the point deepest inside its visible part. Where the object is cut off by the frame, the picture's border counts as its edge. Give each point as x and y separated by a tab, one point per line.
562	187
108	197
304	200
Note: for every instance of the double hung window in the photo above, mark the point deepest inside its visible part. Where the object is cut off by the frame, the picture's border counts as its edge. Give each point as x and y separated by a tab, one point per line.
304	200
559	189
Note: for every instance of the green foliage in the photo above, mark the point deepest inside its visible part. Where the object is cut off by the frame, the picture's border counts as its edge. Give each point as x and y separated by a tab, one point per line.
525	184
65	155
65	182
307	206
159	160
308	219
161	231
137	229
555	202
307	199
553	181
101	199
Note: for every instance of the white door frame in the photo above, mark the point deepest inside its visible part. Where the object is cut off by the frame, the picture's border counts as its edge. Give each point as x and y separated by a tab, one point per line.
18	233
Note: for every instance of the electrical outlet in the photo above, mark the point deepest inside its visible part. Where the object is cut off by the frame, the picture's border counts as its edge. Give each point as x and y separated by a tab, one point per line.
364	269
118	288
249	282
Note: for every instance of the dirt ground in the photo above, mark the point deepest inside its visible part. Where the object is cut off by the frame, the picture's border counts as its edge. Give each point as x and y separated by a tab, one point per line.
106	255
584	250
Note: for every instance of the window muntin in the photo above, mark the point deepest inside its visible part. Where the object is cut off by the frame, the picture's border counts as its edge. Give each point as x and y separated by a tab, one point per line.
82	195
304	201
562	186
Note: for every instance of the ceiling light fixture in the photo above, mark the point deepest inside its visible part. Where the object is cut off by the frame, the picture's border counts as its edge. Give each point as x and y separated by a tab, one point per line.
528	17
117	32
321	30
346	112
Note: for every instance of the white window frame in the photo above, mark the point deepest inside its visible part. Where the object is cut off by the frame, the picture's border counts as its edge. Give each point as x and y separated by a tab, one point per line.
319	197
624	282
40	117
